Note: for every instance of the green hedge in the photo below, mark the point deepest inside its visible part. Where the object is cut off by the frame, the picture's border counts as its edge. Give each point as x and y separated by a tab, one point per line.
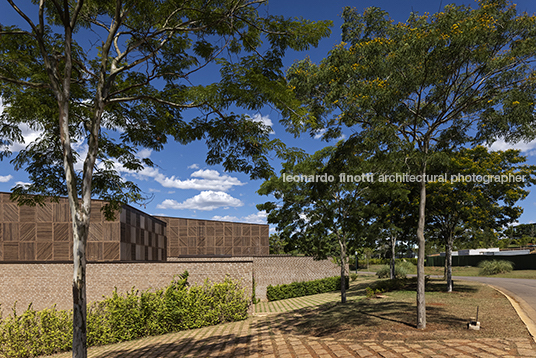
125	317
521	262
305	288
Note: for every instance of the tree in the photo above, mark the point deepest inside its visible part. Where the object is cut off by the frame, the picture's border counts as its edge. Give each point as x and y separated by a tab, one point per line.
127	88
480	193
432	83
278	245
316	211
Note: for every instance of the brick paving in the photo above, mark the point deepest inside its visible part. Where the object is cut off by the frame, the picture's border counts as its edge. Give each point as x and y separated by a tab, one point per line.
256	337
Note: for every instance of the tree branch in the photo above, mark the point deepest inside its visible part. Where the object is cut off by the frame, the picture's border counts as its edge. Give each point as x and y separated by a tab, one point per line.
24	83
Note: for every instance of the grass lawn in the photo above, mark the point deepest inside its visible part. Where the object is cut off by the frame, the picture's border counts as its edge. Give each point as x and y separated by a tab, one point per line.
393	317
463	271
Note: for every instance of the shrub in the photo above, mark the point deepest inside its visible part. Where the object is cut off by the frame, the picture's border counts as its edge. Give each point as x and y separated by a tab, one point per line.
493	267
305	288
120	318
401	270
409	266
35	333
353	276
385	286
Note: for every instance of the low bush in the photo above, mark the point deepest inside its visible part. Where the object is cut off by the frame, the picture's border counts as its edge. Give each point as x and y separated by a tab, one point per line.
35	333
494	267
402	269
386	286
353	276
121	318
305	288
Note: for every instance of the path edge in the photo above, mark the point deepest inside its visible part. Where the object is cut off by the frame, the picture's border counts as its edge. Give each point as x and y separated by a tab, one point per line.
517	303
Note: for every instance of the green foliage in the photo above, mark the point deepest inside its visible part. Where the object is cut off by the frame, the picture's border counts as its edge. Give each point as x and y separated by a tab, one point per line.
471	212
494	267
386	286
370	292
35	333
409	266
353	276
456	78
126	317
305	288
402	269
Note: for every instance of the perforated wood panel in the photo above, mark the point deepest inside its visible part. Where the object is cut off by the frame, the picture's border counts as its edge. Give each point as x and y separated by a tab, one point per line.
193	237
44	233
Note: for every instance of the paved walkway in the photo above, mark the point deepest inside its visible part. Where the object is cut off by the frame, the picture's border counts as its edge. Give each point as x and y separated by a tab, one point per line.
254	338
258	337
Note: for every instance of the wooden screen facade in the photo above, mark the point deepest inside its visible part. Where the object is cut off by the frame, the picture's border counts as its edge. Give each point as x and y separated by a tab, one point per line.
194	237
44	233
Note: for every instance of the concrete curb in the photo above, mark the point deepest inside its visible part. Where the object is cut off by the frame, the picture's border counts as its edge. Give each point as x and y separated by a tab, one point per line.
521	308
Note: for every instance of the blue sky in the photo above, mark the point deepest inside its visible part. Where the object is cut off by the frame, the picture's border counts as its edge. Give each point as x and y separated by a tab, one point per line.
182	185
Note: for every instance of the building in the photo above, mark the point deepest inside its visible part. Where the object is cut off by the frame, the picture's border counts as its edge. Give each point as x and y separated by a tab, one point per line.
134	250
44	233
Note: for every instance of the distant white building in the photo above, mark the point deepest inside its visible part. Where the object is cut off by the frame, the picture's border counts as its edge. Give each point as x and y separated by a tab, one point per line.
473	252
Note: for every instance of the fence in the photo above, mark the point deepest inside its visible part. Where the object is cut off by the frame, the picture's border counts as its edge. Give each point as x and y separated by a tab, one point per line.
521	262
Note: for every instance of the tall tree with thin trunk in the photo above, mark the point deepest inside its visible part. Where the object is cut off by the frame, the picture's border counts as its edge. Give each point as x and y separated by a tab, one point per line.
315	211
115	76
434	82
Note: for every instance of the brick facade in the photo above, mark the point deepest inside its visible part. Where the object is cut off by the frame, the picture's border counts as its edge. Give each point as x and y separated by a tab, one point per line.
277	270
46	284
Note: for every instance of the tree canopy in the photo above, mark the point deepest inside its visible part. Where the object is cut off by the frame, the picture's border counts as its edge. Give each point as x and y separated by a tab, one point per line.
435	82
101	79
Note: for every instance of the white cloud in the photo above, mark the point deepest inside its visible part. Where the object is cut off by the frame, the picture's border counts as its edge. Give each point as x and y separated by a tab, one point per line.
5	179
257	218
193	166
21	183
144	153
203	180
151	190
206	200
29	135
264	120
528	148
319	133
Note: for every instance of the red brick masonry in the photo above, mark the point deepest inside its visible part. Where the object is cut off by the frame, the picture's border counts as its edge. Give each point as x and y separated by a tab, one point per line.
46	284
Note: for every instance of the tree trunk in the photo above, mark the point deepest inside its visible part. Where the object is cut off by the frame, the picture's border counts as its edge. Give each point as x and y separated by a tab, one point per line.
393	253
80	231
445	264
342	244
421	305
448	262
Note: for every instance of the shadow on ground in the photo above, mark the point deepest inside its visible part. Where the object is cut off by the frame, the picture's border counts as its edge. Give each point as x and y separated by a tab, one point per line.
374	318
225	343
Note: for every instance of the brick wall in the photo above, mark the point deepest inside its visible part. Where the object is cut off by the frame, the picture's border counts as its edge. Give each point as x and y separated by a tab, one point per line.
277	270
46	284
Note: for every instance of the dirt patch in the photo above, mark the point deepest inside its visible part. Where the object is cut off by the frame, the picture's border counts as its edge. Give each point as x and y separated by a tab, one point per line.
394	316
